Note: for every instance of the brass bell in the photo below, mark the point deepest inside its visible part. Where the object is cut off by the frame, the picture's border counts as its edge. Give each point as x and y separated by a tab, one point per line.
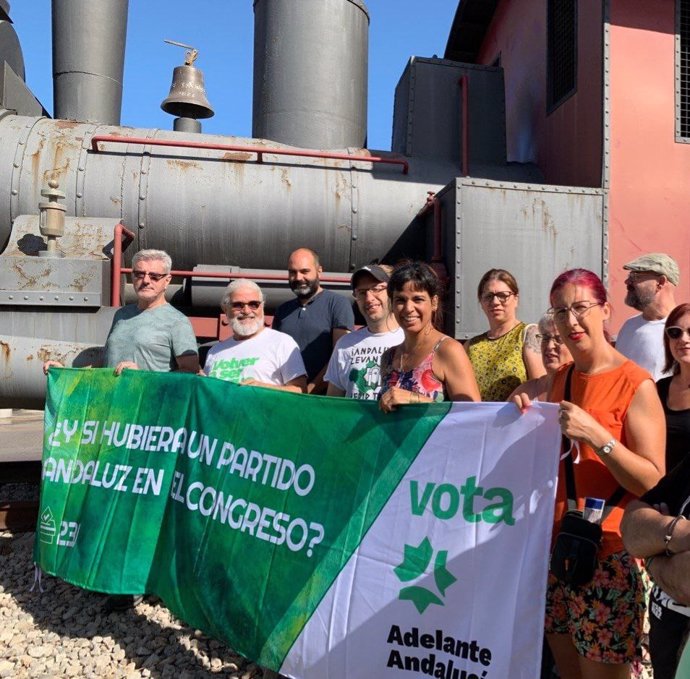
187	97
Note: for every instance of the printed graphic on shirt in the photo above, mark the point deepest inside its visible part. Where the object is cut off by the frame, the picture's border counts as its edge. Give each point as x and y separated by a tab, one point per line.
366	381
232	369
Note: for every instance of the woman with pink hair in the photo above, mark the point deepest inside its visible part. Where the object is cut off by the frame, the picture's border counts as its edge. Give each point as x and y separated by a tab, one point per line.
610	411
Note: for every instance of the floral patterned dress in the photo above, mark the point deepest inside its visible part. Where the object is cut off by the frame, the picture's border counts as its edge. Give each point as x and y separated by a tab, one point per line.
420	380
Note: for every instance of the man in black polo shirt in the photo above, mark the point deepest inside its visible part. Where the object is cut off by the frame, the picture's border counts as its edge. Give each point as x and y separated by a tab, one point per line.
316	319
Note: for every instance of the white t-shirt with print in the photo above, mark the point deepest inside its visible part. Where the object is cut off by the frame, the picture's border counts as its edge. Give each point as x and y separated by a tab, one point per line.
355	366
271	357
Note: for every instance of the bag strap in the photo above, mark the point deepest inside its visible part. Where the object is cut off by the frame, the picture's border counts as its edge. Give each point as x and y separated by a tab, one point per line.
617	494
569	472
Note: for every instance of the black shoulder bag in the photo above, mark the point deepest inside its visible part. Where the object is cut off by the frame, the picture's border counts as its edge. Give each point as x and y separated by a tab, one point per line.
575	552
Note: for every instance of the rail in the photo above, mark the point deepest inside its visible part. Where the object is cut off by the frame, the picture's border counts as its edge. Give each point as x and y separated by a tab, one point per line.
258	150
122	237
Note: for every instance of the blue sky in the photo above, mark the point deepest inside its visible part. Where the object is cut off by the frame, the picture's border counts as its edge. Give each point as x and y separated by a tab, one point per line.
222	31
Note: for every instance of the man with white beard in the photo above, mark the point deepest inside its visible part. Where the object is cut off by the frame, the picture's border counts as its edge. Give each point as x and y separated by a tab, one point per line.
254	355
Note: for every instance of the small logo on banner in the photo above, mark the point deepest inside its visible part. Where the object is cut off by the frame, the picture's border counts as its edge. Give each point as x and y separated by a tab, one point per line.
46	527
415	563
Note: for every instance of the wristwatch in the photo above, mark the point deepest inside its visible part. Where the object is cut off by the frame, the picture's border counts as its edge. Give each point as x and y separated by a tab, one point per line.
607	448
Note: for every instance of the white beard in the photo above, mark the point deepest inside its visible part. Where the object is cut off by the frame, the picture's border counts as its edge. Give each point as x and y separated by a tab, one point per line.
247	328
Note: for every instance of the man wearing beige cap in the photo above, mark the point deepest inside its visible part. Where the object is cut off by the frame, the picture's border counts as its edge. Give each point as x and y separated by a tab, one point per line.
651	286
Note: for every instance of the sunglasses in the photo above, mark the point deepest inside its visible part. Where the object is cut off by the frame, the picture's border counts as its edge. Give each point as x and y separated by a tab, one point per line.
675	333
238	306
155	277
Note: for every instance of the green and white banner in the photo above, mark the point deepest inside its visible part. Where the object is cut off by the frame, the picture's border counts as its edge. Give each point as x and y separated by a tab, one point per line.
316	536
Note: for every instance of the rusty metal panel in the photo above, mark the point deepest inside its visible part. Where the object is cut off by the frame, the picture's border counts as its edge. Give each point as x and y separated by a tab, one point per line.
81	278
22	382
533	231
83	238
43	281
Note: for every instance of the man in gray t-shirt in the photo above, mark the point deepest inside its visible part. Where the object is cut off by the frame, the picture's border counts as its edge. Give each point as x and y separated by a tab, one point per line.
151	334
148	335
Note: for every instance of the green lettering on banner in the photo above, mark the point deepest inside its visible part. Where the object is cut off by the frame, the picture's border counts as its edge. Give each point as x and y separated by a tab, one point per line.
216	497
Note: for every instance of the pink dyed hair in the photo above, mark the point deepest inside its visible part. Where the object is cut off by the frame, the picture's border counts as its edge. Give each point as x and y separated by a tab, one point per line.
584	278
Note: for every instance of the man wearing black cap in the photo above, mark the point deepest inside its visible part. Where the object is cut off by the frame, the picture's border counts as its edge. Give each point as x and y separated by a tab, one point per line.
651	286
355	366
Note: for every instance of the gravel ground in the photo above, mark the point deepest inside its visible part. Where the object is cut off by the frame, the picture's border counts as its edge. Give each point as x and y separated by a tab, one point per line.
63	632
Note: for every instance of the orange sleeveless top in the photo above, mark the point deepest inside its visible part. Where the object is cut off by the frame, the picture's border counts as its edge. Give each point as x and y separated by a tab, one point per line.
606	397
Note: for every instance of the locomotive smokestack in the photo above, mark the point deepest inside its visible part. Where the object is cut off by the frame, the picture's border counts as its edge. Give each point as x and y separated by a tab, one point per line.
310	72
88	59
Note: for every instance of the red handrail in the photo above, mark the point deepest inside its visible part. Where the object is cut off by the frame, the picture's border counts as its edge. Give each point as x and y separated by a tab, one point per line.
122	237
119	270
464	82
182	273
259	150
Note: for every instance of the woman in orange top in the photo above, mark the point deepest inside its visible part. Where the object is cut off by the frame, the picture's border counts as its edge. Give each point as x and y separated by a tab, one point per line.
615	418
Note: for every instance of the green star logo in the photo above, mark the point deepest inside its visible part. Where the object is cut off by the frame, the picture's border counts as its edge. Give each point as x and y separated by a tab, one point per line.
415	563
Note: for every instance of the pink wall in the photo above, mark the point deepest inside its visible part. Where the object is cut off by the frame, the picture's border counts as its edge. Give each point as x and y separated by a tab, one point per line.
566	144
649	205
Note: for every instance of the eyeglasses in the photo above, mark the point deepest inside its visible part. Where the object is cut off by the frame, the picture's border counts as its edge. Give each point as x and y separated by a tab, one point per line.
502	297
545	339
155	277
238	306
578	309
675	333
361	293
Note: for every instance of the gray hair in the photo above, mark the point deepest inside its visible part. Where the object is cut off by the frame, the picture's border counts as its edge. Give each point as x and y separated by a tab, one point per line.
545	322
159	255
236	285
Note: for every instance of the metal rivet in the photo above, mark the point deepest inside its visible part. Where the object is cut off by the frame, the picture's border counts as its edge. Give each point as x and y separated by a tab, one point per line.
71	299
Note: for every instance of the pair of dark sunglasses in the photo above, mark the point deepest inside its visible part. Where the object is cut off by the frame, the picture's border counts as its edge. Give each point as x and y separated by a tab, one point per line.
675	333
238	306
155	277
